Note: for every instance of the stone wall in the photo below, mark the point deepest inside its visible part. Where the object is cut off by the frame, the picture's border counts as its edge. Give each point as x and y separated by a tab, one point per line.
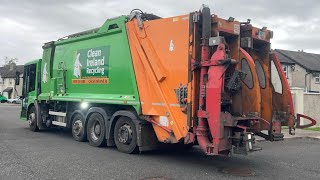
307	104
311	106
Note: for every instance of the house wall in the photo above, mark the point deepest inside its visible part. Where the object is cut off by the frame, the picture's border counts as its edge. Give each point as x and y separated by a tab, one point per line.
313	85
19	87
311	106
1	85
10	82
297	76
289	73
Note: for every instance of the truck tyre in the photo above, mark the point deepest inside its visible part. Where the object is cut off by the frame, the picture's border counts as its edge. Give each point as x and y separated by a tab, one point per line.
125	135
32	119
3	101
79	132
96	130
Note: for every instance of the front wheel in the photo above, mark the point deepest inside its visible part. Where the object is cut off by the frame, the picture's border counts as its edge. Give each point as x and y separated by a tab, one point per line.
96	130
125	135
32	119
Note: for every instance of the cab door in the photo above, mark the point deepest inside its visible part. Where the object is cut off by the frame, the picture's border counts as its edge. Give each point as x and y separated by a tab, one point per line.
262	63
283	113
247	101
29	88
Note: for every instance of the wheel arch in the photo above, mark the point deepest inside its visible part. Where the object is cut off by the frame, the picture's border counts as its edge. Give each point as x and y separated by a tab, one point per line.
112	122
73	114
101	111
29	107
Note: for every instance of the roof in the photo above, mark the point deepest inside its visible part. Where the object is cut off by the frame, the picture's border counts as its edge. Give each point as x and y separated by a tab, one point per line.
8	89
7	72
107	27
32	62
283	58
309	61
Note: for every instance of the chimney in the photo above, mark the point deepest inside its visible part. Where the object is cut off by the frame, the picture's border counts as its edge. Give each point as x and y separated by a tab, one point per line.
12	66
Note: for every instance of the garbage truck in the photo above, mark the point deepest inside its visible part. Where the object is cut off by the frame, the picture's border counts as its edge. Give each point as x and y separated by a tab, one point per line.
141	80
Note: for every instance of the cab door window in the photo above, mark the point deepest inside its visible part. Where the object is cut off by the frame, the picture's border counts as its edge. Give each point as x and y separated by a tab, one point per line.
275	78
248	80
261	74
32	78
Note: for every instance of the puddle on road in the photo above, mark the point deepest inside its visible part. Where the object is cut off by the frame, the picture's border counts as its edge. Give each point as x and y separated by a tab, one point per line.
236	171
156	178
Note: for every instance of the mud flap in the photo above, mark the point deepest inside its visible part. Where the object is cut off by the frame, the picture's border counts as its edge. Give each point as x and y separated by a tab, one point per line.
147	137
38	113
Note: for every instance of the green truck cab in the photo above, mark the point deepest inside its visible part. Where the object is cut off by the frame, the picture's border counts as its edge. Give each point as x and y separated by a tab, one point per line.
30	86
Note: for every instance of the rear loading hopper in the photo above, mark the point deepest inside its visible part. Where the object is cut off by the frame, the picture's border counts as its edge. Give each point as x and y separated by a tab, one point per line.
198	82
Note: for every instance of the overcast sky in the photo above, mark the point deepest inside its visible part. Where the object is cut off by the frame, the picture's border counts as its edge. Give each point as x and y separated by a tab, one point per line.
26	24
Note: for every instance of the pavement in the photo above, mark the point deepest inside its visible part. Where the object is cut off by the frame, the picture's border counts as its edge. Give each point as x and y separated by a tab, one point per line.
300	133
53	154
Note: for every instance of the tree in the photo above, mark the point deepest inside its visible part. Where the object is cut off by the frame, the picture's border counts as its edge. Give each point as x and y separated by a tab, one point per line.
9	61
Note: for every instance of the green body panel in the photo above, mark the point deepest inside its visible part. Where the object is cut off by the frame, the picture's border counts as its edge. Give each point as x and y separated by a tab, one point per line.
46	61
106	75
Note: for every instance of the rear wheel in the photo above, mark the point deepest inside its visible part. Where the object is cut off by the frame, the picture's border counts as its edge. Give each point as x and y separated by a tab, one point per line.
32	119
125	135
96	130
78	128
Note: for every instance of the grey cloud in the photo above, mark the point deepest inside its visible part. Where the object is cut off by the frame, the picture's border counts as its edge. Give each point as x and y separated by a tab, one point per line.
26	25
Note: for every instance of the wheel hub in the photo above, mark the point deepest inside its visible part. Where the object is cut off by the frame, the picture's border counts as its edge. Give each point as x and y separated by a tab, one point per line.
77	127
96	131
31	119
125	134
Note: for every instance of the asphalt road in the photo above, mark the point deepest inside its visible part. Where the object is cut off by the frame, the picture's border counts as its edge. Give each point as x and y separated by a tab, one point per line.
55	155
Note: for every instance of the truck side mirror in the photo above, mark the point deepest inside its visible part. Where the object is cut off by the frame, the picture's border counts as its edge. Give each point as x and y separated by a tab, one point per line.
17	78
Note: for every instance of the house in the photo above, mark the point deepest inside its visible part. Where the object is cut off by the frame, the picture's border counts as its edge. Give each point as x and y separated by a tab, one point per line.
8	86
302	69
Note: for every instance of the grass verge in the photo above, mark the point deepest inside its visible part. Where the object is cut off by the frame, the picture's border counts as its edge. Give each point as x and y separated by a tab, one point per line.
313	129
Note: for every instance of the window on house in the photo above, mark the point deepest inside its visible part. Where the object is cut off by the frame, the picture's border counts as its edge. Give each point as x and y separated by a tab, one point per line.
317	78
285	70
10	81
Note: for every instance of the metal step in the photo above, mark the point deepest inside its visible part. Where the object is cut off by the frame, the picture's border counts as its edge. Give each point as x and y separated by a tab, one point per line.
59	123
57	113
